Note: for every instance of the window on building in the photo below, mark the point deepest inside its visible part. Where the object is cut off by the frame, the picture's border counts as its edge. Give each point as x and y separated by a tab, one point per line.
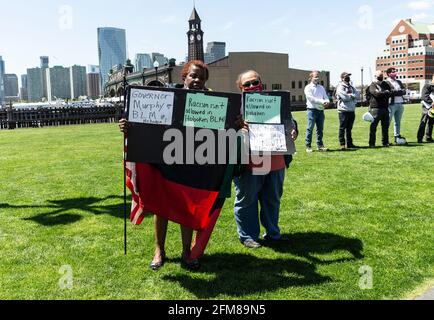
294	98
300	98
300	84
293	85
264	85
276	86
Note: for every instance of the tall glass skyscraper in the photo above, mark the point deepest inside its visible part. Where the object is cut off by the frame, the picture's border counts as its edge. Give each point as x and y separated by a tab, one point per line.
112	50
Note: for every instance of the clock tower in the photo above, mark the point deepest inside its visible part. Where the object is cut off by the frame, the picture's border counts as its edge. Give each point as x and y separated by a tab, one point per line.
195	38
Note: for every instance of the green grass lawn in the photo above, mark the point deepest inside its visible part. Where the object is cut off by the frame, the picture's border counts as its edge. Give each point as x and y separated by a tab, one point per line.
61	205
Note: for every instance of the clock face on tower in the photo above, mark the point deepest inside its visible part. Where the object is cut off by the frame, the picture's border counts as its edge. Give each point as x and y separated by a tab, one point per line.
199	37
192	38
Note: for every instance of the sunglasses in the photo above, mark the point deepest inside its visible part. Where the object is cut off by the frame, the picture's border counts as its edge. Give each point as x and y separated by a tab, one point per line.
251	83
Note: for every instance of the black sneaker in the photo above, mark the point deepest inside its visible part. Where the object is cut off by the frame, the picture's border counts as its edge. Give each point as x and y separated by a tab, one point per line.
430	140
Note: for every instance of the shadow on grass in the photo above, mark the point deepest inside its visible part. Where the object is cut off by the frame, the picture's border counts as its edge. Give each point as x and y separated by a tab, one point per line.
61	210
238	275
241	275
307	245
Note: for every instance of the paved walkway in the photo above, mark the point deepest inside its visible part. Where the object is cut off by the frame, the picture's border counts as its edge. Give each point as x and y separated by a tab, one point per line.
428	295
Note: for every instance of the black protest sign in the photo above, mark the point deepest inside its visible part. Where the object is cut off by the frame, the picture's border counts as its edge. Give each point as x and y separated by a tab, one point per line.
269	118
152	112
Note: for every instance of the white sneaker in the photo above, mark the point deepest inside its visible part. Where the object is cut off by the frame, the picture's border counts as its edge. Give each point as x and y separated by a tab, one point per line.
309	150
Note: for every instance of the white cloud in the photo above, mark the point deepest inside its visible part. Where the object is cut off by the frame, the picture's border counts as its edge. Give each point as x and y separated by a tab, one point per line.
311	43
420	5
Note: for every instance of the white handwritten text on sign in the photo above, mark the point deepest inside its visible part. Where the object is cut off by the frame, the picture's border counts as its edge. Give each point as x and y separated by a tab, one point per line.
151	107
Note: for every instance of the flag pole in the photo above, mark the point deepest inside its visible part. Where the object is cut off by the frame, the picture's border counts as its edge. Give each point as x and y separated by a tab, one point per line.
125	199
125	171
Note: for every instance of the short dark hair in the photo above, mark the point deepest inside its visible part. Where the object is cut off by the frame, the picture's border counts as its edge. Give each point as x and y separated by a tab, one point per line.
390	70
197	63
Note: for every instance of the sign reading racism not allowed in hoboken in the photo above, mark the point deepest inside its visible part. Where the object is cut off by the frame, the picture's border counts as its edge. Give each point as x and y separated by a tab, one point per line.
270	125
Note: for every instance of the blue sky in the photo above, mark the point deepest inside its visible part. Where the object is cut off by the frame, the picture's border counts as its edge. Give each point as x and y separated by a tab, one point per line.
326	35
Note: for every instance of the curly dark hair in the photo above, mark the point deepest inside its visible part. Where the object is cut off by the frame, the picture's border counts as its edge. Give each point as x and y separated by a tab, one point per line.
196	63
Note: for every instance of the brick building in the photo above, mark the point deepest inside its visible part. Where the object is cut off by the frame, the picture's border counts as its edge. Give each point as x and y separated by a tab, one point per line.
410	49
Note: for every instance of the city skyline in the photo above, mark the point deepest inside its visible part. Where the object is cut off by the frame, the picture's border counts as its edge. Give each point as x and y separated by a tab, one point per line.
322	42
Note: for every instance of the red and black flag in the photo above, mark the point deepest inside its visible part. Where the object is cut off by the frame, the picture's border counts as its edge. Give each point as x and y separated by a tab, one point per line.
192	196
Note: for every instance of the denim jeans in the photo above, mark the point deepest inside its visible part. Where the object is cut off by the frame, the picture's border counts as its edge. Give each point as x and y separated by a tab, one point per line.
315	117
396	111
252	190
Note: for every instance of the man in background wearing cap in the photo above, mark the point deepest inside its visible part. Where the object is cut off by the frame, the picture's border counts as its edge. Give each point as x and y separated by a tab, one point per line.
396	107
427	107
347	101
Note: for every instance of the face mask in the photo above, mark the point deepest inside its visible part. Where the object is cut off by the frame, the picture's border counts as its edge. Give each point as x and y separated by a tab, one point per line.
257	88
380	78
347	79
393	75
315	81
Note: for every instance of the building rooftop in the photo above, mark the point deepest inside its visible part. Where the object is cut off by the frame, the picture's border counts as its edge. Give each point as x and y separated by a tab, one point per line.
421	27
194	16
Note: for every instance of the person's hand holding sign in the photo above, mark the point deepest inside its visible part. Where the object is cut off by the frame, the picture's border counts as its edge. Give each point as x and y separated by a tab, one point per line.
294	134
124	125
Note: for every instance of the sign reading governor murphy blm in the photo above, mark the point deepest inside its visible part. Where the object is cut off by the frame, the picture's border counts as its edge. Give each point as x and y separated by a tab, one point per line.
153	112
269	116
151	107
